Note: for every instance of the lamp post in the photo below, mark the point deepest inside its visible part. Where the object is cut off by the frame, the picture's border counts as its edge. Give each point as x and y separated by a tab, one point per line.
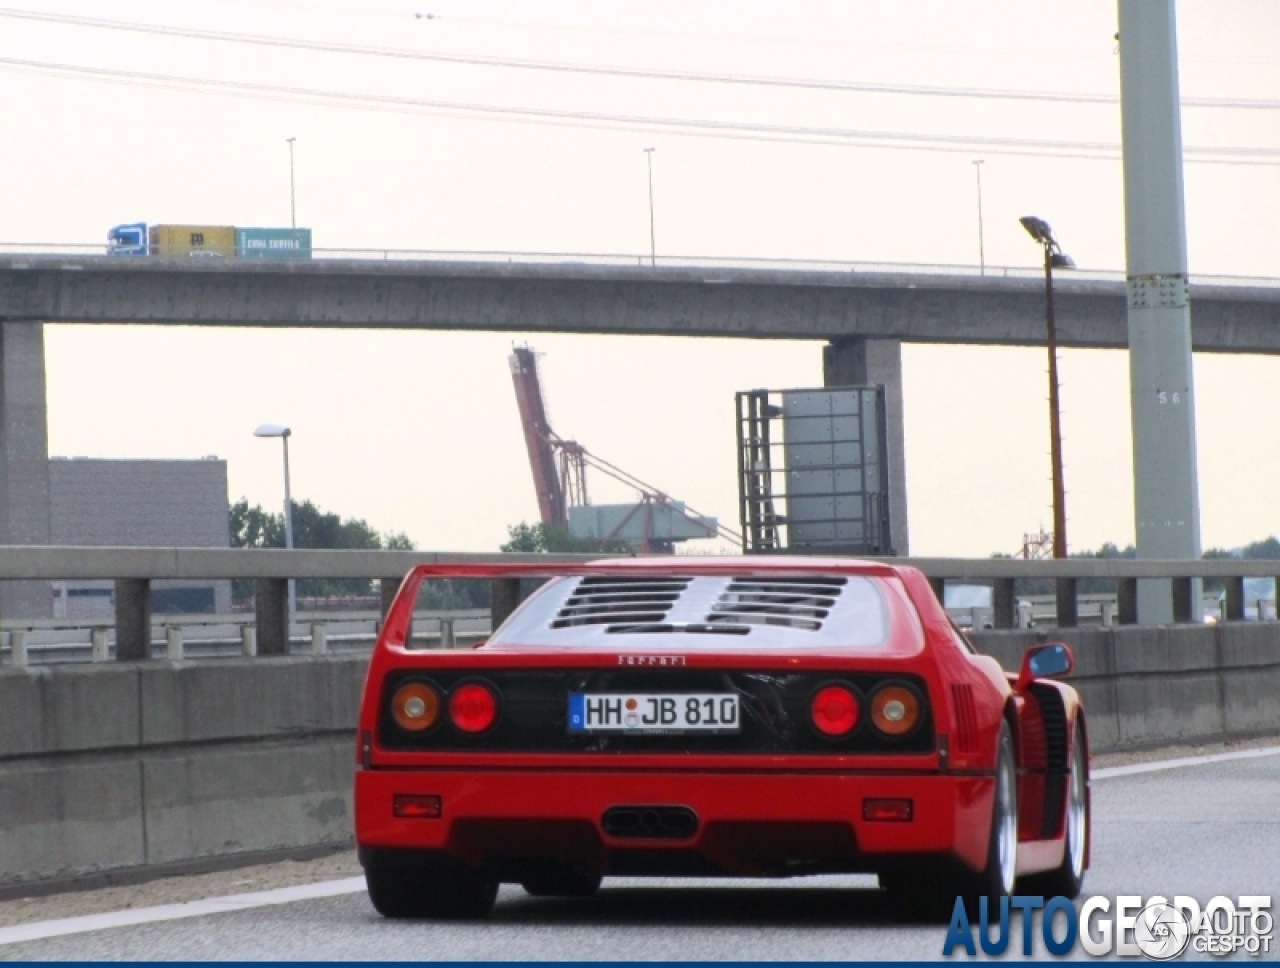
653	244
293	207
277	430
1054	258
982	254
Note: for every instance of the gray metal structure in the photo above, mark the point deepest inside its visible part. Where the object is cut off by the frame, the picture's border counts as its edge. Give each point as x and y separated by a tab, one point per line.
1166	492
813	473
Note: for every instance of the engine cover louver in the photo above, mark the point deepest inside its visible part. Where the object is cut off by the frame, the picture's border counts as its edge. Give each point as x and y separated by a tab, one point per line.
620	601
799	603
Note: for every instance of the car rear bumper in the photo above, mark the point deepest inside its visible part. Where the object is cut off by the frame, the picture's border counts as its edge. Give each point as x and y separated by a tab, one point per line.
748	823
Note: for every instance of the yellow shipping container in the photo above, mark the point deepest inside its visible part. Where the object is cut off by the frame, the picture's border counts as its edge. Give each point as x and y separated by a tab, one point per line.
185	240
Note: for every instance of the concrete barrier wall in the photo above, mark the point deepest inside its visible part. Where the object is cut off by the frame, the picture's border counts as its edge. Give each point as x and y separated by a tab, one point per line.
112	768
125	767
1154	685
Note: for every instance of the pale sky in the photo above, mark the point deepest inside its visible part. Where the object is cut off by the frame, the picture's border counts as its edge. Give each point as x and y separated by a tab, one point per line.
419	431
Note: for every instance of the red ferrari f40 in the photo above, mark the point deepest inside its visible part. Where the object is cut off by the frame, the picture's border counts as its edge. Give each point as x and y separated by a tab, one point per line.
754	717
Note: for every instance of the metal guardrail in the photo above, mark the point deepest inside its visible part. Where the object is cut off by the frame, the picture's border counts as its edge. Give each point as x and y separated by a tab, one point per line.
273	633
184	637
98	250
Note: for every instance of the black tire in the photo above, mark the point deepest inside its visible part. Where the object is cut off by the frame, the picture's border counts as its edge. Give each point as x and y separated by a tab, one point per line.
452	891
561	881
929	893
1067	880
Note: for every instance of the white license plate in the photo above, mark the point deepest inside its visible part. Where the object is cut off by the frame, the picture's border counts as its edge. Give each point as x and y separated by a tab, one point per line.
665	712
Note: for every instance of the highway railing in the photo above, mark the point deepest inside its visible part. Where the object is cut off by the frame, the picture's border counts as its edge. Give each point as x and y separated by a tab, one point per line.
134	634
43	250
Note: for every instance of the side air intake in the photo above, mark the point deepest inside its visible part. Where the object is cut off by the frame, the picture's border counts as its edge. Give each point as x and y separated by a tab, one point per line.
608	600
798	603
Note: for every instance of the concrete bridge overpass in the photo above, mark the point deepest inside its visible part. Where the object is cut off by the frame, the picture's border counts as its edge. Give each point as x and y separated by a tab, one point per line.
861	313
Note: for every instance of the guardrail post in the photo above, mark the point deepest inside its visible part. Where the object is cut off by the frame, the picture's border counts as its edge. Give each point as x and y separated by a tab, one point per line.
1127	600
98	645
173	643
504	596
18	648
1235	600
1108	610
248	640
133	619
447	639
319	641
1024	615
389	588
271	608
1182	604
1004	606
1068	608
939	586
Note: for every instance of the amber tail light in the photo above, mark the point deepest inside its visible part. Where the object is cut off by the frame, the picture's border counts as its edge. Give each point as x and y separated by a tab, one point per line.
415	707
895	709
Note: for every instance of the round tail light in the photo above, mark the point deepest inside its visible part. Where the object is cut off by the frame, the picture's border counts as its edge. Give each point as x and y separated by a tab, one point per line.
834	710
415	707
895	710
473	707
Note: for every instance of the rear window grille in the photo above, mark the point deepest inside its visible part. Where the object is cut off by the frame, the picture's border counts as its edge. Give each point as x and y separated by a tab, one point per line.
603	600
798	603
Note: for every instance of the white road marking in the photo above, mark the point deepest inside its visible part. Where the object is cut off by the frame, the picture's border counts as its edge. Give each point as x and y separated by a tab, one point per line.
1156	766
172	912
354	885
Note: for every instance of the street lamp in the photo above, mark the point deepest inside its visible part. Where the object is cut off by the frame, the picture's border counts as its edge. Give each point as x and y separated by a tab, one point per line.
982	254
653	244
293	207
1054	258
278	430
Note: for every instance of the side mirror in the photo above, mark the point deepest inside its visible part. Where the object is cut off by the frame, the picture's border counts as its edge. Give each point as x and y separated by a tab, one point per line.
1044	662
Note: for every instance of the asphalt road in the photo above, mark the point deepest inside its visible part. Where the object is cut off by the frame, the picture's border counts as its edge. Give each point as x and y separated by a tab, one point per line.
1203	830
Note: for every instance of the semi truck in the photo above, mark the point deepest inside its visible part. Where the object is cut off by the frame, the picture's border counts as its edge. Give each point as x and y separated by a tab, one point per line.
217	241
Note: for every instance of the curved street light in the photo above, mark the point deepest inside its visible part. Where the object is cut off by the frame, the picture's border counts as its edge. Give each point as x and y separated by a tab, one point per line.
1054	258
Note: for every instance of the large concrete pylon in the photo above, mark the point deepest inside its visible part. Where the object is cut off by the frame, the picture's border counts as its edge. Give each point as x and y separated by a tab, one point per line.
1161	384
859	361
24	460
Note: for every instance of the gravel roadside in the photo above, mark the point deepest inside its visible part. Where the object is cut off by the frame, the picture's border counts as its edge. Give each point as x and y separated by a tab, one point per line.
264	877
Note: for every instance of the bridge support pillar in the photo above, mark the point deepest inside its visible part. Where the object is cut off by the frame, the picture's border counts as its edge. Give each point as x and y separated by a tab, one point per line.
1068	606
133	619
504	597
1004	604
271	609
24	461
859	361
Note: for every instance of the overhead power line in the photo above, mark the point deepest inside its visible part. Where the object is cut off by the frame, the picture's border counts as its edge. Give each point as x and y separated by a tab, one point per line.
689	126
613	71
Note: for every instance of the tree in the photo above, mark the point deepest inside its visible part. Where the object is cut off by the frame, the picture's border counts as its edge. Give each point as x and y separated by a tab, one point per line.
557	539
255	527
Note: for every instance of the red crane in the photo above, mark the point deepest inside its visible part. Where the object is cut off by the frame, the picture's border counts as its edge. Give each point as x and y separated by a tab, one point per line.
560	466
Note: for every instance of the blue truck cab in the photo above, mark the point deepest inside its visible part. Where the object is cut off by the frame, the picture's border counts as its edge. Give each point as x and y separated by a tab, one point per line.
130	239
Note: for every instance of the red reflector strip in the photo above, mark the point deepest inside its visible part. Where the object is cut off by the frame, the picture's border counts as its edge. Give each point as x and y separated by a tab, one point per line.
887	810
416	806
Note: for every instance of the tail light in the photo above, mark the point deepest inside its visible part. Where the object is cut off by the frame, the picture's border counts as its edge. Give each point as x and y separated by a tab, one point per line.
834	710
415	707
473	707
895	709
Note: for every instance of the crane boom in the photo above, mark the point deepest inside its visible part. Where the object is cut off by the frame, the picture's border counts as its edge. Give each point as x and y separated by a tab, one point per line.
538	437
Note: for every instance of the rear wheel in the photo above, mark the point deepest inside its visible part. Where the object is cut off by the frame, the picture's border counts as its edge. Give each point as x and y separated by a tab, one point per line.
929	894
1067	879
451	890
561	881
